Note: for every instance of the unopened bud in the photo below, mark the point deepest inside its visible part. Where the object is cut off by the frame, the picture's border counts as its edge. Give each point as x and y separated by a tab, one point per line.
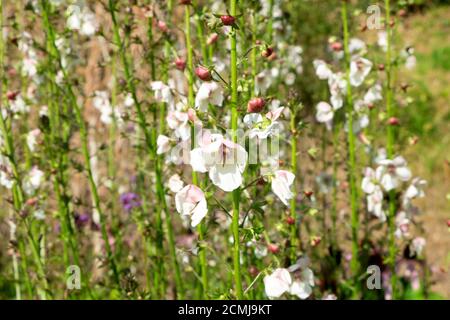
180	64
227	20
212	38
273	248
393	121
203	73
256	105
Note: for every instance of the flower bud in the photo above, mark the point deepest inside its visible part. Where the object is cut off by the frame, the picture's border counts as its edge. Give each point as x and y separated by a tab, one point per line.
253	271
256	105
290	220
12	95
315	241
393	121
180	64
381	67
273	248
192	116
186	2
212	39
227	20
267	52
203	73
336	46
162	26
308	193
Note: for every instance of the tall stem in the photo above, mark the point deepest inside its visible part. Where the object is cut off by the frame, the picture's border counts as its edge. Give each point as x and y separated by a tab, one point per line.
150	137
293	204
234	127
351	152
83	137
390	148
17	191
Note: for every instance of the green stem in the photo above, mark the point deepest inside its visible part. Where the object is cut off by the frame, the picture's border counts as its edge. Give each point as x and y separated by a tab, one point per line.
83	137
234	126
355	267
390	149
293	202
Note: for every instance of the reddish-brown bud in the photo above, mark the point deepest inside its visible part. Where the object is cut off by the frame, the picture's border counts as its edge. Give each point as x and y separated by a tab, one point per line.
256	105
273	248
448	223
290	220
162	26
381	67
203	73
227	20
180	64
186	2
12	95
315	241
267	52
402	13
393	121
253	271
336	46
308	193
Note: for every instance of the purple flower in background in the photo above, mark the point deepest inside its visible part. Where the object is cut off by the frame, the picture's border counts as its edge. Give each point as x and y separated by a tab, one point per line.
129	201
81	219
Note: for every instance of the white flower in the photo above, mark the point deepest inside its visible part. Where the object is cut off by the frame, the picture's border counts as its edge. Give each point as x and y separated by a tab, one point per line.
179	122
402	222
162	92
303	288
191	202
304	278
263	127
415	190
5	180
417	245
101	103
223	159
382	40
32	139
359	70
175	183
281	184
325	112
337	85
277	283
371	179
209	93
394	172
262	82
83	20
356	45
163	144
411	62
322	69
375	203
374	94
18	105
33	181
